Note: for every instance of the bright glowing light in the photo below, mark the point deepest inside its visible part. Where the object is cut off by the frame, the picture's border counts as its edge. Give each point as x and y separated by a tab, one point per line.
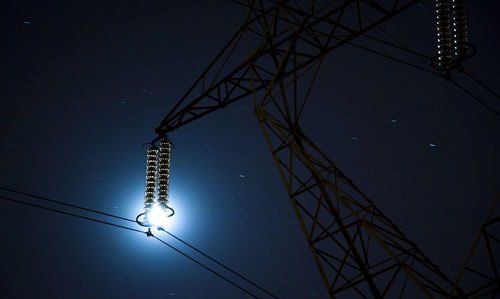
158	216
177	224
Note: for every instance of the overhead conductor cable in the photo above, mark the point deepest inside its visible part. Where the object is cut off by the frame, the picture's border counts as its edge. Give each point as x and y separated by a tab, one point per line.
60	211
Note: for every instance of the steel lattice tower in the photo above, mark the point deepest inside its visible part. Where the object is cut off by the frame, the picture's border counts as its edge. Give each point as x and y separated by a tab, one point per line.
275	58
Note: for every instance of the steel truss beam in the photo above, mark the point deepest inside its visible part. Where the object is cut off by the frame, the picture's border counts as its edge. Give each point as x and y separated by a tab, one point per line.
327	27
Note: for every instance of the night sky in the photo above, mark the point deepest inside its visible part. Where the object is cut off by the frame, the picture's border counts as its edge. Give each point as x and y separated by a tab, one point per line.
84	84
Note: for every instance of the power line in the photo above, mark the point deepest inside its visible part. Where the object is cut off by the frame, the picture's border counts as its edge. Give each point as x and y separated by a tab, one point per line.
421	57
393	58
482	84
424	58
475	97
219	263
192	259
70	214
132	229
65	204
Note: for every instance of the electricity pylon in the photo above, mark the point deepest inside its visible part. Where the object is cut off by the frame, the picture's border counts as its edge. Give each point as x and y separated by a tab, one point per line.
486	281
275	57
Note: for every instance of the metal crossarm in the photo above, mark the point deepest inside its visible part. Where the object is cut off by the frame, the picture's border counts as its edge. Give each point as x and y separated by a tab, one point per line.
327	27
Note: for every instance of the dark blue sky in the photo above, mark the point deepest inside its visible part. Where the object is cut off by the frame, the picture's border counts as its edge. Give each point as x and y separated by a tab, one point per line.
84	83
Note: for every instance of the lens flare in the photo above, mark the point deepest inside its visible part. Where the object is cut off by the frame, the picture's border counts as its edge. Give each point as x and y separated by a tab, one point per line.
159	216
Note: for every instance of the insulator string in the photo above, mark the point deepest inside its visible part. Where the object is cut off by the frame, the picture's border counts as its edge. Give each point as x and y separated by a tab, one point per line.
151	171
164	172
443	32
459	29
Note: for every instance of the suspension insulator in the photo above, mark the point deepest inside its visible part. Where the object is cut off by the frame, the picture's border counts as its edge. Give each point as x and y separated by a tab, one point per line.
459	29
164	172
443	33
151	165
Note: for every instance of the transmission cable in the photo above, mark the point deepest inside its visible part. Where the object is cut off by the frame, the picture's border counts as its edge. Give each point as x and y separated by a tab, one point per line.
120	226
393	58
482	84
424	58
421	57
64	203
192	259
131	229
69	214
401	46
218	263
475	97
